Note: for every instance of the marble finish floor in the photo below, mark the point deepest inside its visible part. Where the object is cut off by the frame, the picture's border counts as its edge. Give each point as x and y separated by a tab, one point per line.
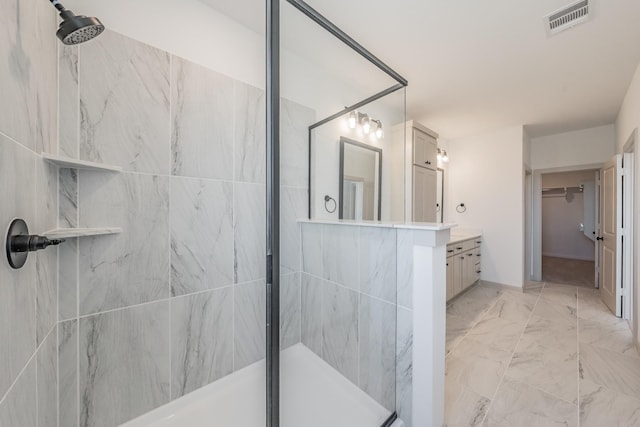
553	356
569	271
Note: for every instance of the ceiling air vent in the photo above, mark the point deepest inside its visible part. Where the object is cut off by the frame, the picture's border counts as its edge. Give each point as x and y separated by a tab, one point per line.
567	17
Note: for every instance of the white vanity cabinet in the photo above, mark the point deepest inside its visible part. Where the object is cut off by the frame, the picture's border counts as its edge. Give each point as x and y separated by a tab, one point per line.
420	177
463	264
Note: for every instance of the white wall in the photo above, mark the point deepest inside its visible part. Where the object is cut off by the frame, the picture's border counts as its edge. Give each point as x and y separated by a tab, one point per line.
486	173
561	218
628	120
577	148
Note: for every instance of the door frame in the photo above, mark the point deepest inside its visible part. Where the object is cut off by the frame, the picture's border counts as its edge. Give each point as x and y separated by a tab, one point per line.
630	244
536	196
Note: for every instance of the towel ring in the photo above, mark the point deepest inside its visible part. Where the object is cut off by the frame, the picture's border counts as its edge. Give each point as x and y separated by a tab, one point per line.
461	208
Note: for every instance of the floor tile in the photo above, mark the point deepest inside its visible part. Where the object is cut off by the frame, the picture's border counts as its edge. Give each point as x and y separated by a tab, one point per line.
614	335
519	405
560	293
546	368
464	407
600	406
498	333
477	366
513	306
610	369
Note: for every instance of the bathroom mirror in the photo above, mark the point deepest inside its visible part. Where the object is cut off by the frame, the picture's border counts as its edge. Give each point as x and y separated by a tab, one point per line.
360	178
440	195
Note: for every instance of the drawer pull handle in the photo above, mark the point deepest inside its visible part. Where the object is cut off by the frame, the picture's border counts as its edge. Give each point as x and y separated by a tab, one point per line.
428	162
460	248
449	251
478	255
479	271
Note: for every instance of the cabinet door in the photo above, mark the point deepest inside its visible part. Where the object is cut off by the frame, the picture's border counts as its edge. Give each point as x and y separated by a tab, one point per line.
458	264
424	194
469	269
425	149
450	274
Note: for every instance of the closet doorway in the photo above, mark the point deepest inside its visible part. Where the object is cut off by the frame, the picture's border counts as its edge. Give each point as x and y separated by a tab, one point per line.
569	225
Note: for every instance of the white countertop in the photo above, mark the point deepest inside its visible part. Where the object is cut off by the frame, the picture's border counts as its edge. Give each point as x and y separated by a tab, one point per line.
462	235
432	226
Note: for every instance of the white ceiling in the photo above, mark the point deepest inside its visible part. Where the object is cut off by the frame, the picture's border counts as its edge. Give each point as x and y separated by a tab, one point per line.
477	66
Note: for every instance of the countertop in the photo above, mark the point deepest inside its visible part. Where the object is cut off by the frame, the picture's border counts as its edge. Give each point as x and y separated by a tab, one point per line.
462	235
432	226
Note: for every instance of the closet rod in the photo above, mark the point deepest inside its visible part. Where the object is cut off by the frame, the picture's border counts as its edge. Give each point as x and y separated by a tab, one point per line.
565	189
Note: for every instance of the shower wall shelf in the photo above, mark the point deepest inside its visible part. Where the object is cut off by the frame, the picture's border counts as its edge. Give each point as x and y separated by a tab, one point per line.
66	162
67	233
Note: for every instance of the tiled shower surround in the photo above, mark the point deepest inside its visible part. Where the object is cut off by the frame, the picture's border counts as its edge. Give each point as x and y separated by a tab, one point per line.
103	329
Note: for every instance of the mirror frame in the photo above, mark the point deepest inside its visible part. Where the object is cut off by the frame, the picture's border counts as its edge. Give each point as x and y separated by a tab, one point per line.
343	141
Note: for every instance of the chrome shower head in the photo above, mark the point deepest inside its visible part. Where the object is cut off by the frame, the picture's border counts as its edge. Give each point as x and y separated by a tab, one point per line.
76	29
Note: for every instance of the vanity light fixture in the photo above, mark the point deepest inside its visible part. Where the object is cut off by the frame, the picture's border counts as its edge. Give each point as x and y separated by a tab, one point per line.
365	125
352	120
379	131
443	156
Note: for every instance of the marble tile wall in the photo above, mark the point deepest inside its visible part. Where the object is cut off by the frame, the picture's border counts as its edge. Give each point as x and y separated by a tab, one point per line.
349	310
28	297
177	300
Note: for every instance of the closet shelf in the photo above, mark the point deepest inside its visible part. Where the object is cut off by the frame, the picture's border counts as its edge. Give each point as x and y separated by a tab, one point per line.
65	162
67	233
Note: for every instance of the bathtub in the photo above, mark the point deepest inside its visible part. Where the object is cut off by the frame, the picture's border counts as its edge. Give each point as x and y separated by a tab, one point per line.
313	394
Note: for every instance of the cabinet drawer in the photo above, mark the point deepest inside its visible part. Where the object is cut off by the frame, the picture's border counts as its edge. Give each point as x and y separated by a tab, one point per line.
477	242
467	245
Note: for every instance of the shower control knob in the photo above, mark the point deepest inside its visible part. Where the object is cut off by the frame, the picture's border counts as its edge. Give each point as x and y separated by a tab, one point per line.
19	243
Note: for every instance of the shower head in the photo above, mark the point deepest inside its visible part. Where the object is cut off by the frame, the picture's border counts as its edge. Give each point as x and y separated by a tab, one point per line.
76	29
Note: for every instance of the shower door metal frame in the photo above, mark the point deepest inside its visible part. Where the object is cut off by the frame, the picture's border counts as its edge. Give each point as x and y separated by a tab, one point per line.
273	180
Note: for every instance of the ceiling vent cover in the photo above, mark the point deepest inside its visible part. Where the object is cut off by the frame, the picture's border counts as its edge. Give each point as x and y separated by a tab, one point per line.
567	17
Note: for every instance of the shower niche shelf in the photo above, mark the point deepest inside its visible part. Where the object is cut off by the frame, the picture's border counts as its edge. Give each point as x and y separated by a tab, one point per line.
67	233
66	162
69	163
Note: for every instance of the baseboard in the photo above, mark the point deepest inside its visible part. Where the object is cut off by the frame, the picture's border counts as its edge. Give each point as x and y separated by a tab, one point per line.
501	286
565	256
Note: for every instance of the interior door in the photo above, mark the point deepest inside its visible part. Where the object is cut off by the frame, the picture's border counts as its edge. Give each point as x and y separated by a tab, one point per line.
608	240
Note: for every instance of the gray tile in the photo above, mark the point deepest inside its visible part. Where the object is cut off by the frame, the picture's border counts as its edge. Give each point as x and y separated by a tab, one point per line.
293	206
518	405
68	280
250	131
552	333
201	339
68	373
404	267
378	263
249	318
312	249
610	369
18	290
498	333
600	406
123	375
68	214
295	120
18	407
560	294
613	334
340	254
47	373
290	322
464	407
476	302
201	235
549	369
340	329
477	366
131	267
120	77
377	350
249	231
202	121
68	101
404	365
456	329
516	307
311	312
46	261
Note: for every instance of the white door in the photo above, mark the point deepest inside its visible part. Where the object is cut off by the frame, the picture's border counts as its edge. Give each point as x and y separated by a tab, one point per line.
609	239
